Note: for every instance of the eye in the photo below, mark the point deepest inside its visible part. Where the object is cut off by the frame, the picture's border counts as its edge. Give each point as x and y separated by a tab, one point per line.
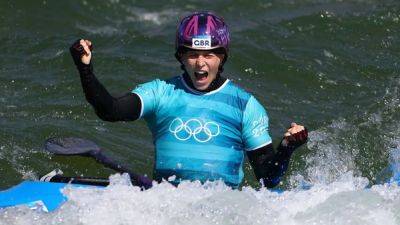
192	55
209	55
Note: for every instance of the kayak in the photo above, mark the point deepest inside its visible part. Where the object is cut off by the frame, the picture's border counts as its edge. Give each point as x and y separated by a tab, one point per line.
46	194
38	195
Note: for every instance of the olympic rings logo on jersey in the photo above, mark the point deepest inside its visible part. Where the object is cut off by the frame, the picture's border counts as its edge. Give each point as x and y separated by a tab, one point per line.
194	128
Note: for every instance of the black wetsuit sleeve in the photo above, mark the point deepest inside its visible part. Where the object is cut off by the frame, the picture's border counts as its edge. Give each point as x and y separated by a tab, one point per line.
107	107
270	165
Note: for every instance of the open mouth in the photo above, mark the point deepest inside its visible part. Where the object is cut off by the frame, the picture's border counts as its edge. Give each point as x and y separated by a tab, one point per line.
200	75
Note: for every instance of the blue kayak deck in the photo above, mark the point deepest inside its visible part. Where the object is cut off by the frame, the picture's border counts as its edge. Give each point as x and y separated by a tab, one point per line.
34	194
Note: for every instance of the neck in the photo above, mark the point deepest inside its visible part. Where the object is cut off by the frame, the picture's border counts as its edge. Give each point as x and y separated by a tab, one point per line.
214	85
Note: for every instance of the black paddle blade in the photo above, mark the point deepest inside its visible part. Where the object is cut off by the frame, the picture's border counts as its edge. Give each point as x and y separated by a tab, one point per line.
79	146
71	146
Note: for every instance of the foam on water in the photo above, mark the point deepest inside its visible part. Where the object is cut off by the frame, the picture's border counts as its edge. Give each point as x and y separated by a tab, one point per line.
345	201
157	18
104	30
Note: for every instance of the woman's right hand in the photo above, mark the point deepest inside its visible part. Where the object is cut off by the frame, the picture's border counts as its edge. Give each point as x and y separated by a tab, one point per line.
81	52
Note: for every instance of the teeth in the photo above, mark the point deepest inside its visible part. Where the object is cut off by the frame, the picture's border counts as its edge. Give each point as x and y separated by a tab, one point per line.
201	73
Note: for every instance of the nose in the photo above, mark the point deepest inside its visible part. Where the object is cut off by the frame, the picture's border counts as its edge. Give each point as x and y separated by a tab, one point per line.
200	61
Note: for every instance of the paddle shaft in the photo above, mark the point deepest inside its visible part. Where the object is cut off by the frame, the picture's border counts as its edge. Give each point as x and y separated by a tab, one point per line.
137	180
80	180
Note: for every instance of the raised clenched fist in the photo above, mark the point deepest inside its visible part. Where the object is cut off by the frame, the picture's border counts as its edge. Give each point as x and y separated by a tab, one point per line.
81	52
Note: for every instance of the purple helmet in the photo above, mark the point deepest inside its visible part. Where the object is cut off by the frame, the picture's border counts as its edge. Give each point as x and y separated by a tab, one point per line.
202	31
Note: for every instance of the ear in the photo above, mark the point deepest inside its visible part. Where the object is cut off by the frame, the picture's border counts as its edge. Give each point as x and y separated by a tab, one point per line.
178	56
221	57
182	57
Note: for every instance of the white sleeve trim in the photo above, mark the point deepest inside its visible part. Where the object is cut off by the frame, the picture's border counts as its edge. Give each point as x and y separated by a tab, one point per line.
142	104
260	146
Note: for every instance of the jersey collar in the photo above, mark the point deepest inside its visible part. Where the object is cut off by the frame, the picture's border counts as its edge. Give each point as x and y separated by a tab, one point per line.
194	91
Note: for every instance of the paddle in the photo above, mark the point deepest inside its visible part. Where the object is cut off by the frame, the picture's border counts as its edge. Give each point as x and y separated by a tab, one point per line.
83	147
56	176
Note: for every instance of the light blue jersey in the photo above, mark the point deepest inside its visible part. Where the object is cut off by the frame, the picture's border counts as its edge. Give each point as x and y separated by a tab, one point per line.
202	136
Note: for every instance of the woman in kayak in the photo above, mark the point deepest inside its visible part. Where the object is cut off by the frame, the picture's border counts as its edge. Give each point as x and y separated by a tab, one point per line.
202	123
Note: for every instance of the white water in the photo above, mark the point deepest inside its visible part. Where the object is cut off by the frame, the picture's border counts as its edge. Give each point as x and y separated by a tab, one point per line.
345	201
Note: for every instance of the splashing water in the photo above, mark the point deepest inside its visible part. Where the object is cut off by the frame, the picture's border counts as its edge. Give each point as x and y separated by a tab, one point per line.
345	201
395	164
